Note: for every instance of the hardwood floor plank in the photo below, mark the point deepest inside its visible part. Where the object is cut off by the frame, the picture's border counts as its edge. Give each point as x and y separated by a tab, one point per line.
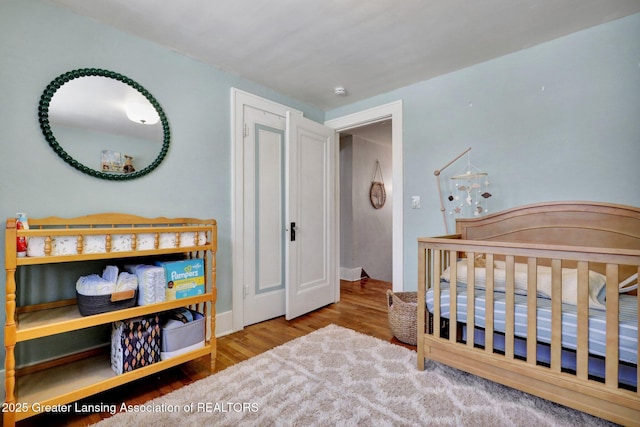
362	307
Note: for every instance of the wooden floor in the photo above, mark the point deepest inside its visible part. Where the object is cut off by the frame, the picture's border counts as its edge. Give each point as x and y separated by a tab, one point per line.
362	307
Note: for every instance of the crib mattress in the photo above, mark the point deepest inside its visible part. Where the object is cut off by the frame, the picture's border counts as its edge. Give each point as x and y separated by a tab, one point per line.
628	329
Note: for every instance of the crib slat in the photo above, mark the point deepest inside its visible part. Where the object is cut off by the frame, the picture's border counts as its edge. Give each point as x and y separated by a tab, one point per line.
488	309
423	283
471	298
582	355
532	302
453	297
613	316
437	271
510	317
556	314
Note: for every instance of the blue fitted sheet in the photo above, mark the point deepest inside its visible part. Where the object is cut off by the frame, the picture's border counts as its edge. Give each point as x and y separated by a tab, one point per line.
628	328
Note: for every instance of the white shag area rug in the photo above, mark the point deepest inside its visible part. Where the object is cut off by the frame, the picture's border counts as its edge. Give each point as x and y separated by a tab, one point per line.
338	377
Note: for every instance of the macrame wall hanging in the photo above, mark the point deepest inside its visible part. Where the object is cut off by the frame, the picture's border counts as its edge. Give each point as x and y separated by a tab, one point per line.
466	192
377	193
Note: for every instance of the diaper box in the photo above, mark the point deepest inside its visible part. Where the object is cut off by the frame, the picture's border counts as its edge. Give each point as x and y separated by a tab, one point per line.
183	278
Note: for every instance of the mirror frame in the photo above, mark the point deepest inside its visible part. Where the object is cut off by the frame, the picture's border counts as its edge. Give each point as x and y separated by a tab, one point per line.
43	117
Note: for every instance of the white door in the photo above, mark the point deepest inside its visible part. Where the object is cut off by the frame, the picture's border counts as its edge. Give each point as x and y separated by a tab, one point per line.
287	179
311	216
264	226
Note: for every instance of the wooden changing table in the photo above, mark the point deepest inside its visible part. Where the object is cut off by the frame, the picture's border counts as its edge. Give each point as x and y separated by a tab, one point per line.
54	383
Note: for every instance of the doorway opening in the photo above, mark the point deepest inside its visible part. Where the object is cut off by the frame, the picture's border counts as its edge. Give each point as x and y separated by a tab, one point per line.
388	112
366	201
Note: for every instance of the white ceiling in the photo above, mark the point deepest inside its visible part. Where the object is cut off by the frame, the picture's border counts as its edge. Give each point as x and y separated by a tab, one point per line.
307	48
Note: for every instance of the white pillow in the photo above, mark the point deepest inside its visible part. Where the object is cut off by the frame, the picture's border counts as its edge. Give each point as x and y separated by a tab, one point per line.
597	281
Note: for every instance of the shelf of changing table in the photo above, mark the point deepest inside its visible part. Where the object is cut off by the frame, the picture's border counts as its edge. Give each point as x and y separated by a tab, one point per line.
64	384
41	323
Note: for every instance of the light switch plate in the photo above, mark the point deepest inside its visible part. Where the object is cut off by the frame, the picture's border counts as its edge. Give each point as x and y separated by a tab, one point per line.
415	202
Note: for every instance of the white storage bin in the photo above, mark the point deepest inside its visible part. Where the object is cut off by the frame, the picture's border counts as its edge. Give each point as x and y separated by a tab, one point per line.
179	337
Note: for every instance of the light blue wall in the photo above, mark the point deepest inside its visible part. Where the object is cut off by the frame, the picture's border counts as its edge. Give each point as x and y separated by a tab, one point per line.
38	42
578	139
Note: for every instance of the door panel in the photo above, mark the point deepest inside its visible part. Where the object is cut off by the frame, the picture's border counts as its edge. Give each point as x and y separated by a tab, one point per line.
269	209
311	205
312	208
264	236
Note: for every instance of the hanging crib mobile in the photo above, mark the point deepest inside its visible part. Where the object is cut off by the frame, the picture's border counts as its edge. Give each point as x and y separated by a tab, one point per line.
377	193
467	192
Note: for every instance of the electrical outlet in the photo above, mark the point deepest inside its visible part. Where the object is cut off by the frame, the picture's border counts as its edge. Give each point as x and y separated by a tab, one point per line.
415	202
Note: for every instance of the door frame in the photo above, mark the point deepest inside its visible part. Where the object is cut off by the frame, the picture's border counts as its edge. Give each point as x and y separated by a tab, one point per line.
391	111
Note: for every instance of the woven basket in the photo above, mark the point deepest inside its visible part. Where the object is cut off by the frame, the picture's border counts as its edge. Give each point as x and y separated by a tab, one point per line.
403	316
96	304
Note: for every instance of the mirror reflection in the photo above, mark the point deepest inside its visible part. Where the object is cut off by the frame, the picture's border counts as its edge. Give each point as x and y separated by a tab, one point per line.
104	124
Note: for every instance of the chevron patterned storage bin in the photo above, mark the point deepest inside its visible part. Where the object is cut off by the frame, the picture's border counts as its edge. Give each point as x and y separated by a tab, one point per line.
135	343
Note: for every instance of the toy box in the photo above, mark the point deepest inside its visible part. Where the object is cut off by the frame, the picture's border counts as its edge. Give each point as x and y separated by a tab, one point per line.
184	278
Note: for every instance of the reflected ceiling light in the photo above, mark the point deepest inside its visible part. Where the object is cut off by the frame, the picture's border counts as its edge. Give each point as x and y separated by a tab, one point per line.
140	112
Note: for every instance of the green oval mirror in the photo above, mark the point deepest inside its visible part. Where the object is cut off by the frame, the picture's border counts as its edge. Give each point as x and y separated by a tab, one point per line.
104	124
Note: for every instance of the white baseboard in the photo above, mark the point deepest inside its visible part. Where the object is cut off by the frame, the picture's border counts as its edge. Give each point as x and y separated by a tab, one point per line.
224	323
350	274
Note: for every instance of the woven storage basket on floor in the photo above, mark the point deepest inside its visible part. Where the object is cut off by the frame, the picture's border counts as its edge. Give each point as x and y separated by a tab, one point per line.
403	316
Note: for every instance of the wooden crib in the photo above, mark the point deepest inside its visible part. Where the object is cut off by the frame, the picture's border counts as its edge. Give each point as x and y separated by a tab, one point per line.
554	310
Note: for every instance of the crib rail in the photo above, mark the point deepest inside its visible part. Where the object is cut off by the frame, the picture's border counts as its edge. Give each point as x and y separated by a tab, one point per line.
442	341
